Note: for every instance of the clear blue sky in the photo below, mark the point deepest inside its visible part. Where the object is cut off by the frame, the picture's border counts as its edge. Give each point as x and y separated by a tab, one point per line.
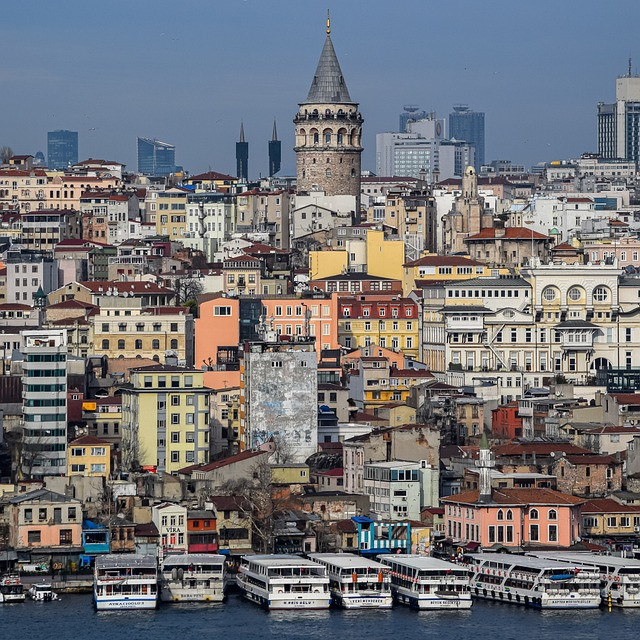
187	71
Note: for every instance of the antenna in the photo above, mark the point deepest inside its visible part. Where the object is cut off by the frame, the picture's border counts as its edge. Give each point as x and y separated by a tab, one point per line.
629	67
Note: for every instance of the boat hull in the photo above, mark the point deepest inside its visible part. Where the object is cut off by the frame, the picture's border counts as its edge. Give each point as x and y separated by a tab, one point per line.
427	602
538	602
137	602
191	595
285	601
363	602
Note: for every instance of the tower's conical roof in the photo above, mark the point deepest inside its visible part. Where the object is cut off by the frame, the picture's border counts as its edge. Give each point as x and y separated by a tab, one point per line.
328	84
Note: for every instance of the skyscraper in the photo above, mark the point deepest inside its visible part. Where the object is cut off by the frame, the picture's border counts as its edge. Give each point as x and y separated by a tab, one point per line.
275	152
62	148
242	157
411	113
328	132
619	123
468	125
156	158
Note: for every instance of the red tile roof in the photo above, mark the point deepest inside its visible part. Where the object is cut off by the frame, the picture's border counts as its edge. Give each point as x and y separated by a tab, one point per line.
443	261
88	440
539	448
510	233
211	175
229	503
517	496
564	246
626	398
72	304
15	306
593	459
332	473
410	373
608	505
218	464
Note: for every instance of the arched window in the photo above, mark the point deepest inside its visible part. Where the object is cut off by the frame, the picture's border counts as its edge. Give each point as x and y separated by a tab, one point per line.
155	344
553	514
120	344
316	138
138	344
156	358
509	514
500	514
549	294
326	134
105	344
533	514
174	344
601	294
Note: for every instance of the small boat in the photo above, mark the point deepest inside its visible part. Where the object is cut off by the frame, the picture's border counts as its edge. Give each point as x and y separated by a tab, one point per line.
11	589
42	592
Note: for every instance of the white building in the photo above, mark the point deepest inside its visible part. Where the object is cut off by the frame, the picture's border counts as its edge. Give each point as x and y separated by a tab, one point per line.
27	272
171	521
44	404
398	490
210	222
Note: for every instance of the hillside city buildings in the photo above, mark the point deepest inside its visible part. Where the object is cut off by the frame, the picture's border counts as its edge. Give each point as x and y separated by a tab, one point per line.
443	356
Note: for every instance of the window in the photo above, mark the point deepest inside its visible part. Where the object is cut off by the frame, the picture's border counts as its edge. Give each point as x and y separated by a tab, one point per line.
553	514
276	364
553	533
121	344
574	294
98	451
33	537
221	311
533	514
492	533
138	344
174	344
155	344
175	418
175	436
98	468
500	515
105	344
534	536
175	456
549	294
600	294
175	401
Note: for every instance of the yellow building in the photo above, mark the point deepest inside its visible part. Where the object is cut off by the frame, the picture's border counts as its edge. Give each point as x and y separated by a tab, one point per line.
396	413
89	456
432	267
384	257
323	264
388	321
165	419
171	213
289	473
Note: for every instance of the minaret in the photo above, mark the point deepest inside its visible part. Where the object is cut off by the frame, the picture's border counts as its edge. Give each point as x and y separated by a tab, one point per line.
275	152
242	157
485	463
329	132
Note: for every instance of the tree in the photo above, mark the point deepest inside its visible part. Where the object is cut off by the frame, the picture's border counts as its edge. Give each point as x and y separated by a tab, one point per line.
261	500
186	289
5	154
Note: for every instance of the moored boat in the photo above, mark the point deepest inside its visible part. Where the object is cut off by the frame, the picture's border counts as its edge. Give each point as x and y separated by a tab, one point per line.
428	583
11	589
42	592
284	582
193	577
356	582
544	583
125	582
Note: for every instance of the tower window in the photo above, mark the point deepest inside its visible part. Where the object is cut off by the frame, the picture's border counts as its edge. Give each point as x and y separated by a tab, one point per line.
316	138
353	173
327	173
327	137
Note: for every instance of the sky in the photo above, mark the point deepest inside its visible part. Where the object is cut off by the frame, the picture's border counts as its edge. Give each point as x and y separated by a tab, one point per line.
187	72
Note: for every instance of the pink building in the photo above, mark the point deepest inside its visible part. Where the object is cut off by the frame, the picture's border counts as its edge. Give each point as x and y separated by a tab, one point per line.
513	518
626	249
43	519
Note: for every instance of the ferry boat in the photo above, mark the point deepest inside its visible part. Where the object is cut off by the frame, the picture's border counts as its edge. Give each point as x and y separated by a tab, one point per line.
428	583
537	582
11	589
284	582
356	582
125	582
193	577
42	592
619	577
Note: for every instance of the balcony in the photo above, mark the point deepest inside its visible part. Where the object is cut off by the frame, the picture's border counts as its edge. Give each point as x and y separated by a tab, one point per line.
464	323
576	335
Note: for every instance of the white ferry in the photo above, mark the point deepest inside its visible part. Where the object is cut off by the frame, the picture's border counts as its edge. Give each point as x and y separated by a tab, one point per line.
284	582
193	577
356	582
619	577
537	582
11	589
428	583
125	582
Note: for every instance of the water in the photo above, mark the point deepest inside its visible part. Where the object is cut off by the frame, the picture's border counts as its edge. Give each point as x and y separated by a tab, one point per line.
74	618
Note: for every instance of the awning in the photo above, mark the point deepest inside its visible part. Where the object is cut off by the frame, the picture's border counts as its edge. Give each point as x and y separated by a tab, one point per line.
471	546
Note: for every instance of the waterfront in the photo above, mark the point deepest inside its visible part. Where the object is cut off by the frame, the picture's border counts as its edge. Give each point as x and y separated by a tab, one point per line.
74	617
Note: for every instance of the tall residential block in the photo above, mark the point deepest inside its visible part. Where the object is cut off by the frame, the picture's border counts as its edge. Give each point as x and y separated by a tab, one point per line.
329	132
619	123
62	148
280	396
165	419
44	404
155	158
468	126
